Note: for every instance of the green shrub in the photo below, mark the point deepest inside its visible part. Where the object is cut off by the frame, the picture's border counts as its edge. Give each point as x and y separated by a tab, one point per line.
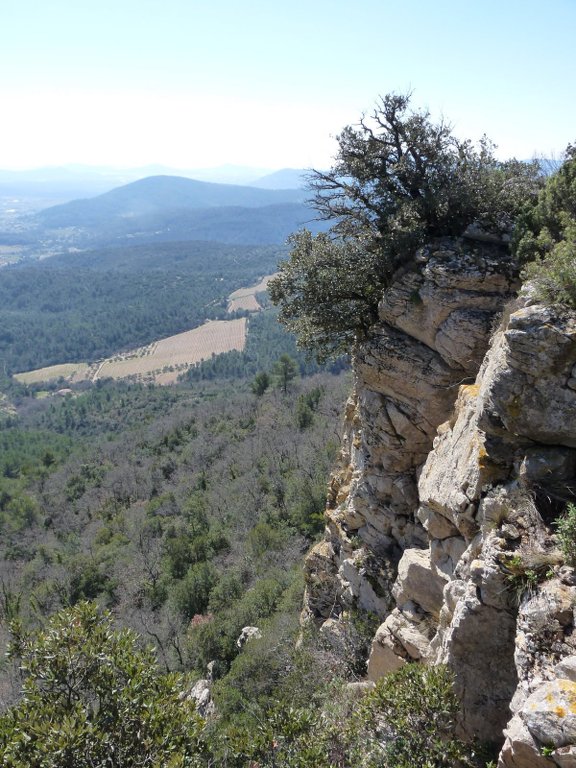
409	720
88	581
545	237
92	698
554	276
265	538
190	595
566	527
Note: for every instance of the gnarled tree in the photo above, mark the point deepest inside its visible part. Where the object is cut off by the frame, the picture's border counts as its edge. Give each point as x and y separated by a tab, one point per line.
399	180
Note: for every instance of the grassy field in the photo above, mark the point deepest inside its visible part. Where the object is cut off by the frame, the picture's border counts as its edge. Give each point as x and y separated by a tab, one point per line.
72	372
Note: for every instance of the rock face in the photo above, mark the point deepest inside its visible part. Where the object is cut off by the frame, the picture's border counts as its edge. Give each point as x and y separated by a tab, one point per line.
459	452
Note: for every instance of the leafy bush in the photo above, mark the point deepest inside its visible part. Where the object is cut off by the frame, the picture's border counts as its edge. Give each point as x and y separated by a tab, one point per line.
566	527
554	276
92	698
88	580
546	237
190	595
409	720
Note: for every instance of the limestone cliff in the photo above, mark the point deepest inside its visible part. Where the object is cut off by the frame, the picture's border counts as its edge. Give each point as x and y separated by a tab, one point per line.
459	452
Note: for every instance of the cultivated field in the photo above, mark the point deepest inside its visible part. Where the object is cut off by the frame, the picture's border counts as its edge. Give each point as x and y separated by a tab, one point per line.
165	359
245	298
72	372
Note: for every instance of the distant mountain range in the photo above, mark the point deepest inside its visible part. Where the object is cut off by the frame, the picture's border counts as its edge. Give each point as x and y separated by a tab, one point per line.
287	178
62	184
173	208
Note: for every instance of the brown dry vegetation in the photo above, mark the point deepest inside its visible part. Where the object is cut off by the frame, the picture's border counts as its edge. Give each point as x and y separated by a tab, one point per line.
72	372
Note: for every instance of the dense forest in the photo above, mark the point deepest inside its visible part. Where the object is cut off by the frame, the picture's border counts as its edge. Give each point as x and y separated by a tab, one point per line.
136	517
90	305
236	225
184	510
266	341
190	490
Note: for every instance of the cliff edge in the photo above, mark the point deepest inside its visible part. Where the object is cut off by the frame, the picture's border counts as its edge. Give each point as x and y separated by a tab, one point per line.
459	454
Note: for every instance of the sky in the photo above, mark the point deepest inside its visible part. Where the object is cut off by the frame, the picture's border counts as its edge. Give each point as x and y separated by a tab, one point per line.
194	84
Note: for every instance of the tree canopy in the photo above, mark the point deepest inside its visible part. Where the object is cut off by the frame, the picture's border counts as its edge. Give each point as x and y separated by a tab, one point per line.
399	179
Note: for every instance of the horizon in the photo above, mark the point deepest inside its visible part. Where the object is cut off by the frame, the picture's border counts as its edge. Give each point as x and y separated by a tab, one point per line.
186	86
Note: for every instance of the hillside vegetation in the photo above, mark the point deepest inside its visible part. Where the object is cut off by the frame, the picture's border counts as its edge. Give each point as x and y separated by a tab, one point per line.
166	503
171	208
183	513
186	512
85	307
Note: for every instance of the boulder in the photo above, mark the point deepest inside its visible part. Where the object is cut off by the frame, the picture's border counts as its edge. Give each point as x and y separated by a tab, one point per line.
248	633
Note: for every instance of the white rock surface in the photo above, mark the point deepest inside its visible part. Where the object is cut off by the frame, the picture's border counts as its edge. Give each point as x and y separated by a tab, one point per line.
248	633
439	512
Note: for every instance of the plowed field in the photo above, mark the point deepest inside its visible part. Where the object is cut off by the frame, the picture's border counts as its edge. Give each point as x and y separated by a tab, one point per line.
165	359
245	298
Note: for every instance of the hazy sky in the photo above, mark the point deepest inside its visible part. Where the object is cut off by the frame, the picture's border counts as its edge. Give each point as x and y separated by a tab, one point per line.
191	84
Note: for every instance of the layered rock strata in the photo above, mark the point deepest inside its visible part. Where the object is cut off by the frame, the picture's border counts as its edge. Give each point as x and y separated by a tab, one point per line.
456	461
501	470
434	331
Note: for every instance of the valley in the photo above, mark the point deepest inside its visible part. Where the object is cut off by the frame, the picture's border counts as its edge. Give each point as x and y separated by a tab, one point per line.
183	509
163	360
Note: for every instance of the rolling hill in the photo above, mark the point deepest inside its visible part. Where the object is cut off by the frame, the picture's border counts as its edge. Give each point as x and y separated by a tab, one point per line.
154	194
172	208
286	178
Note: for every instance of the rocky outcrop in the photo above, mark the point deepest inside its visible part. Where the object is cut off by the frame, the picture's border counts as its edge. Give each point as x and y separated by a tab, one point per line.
434	331
496	469
248	633
456	460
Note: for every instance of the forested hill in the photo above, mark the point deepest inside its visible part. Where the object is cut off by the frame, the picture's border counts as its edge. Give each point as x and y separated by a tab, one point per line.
90	305
171	208
156	193
243	262
167	504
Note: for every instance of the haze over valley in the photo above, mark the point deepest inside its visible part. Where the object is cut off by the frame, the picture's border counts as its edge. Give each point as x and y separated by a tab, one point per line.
93	277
